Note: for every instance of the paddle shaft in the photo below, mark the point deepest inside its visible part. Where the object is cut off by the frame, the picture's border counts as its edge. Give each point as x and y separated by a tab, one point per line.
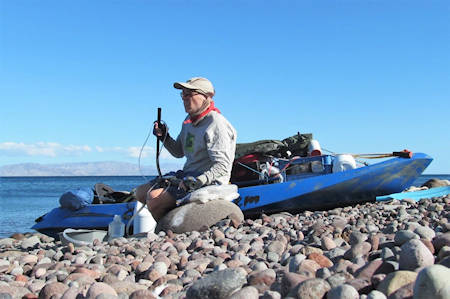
403	154
157	144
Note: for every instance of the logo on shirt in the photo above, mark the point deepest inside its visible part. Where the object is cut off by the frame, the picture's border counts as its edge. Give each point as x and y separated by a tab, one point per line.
189	145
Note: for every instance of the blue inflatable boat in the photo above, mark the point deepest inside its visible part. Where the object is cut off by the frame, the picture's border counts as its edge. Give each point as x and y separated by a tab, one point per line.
282	191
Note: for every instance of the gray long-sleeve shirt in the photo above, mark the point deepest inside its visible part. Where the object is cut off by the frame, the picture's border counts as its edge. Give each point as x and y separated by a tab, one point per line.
209	147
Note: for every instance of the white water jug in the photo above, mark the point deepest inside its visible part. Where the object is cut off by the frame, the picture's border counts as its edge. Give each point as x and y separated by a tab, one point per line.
143	220
343	163
116	228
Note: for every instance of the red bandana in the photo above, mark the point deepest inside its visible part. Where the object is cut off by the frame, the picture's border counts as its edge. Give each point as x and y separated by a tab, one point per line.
194	119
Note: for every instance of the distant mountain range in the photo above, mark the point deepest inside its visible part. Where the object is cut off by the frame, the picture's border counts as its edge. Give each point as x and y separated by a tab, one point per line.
83	169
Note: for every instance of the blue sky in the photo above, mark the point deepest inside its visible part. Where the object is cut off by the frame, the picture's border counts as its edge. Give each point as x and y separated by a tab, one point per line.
81	80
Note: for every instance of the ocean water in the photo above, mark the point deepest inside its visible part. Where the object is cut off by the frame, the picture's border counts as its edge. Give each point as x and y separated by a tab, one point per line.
23	199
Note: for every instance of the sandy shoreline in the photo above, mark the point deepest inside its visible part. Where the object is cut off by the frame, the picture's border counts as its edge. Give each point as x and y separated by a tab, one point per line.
366	251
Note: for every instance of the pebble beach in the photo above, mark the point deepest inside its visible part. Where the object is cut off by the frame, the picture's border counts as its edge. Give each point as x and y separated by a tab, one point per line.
396	249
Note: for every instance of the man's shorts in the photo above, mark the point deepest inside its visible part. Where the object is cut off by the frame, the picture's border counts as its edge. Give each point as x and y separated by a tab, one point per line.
173	189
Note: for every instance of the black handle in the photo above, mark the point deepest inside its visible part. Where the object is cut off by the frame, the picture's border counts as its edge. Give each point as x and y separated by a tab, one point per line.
159	115
404	154
157	144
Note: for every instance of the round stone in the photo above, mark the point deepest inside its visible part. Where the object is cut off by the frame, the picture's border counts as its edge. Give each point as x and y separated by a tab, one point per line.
343	291
415	254
432	282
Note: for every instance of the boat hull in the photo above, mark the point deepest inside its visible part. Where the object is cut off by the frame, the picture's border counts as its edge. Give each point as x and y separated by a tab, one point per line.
89	217
335	189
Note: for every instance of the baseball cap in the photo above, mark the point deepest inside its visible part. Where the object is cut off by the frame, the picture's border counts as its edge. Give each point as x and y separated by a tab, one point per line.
200	84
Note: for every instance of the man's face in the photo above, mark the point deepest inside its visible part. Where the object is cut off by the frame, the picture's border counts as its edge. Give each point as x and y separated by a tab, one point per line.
192	101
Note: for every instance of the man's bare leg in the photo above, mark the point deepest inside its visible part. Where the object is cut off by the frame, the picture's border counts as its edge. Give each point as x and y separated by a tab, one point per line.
141	192
160	202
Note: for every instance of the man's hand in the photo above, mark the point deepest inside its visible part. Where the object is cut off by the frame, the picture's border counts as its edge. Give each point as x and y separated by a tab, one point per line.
190	183
159	130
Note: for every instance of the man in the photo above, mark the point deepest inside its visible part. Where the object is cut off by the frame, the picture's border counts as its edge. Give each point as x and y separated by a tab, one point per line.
207	140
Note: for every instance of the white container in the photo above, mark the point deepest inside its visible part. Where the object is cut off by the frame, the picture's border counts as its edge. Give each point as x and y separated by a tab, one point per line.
116	228
314	148
81	237
343	163
143	220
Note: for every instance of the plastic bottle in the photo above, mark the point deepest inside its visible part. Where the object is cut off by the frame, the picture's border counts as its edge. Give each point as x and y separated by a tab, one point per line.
143	220
116	228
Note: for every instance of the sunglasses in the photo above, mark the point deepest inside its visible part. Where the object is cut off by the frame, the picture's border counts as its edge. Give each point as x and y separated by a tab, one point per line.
189	93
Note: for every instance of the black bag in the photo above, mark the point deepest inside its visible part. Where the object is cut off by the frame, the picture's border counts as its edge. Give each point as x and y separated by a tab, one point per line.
265	147
298	144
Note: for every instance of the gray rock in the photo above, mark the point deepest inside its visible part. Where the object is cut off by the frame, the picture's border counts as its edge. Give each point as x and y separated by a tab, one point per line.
337	279
257	266
50	289
295	261
432	282
47	260
71	293
443	253
376	295
245	293
327	243
343	291
441	240
432	183
415	254
372	228
396	280
141	294
405	291
335	253
425	232
218	284
6	242
276	247
30	242
197	216
392	266
311	289
5	296
323	273
357	250
270	295
266	277
160	267
357	237
98	288
273	257
445	262
403	236
387	254
106	296
122	296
